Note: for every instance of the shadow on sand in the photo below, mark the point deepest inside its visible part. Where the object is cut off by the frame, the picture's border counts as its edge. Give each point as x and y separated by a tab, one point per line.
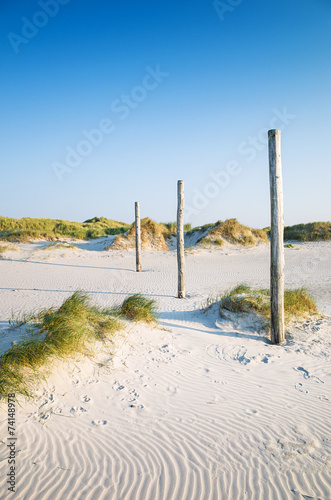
201	318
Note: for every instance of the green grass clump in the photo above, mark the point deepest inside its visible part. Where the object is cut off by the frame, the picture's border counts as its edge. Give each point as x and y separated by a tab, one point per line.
153	235
8	248
172	226
29	229
313	231
289	245
57	245
66	332
207	242
234	232
201	228
230	231
297	303
139	308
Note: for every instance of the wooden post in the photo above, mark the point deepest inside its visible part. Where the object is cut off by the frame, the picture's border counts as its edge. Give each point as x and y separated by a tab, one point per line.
276	239
180	240
138	237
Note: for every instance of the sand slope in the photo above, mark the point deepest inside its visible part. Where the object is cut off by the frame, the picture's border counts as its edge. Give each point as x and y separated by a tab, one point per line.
198	408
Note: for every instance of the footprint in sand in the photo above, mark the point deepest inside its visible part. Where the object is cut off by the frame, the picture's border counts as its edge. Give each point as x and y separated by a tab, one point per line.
78	410
118	387
92	381
85	399
44	416
99	422
251	412
307	375
172	389
299	387
133	396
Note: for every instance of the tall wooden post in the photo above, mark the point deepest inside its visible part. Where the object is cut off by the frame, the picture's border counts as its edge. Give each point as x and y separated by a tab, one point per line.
138	237
180	240
276	239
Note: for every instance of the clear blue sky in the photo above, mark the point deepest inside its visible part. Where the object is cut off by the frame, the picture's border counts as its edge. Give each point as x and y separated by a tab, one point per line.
178	90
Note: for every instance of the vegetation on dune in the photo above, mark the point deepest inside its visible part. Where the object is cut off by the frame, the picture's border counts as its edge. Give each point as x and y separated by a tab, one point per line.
153	237
67	332
29	229
234	232
313	231
139	308
230	231
8	248
297	303
207	242
172	226
57	245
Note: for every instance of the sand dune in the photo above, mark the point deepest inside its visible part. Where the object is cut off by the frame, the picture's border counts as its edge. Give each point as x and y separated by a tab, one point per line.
197	408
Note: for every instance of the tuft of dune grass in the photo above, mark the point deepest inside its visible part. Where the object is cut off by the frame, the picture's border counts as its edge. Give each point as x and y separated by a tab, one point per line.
234	232
57	334
138	308
153	237
68	332
172	226
59	246
230	231
313	231
8	248
244	299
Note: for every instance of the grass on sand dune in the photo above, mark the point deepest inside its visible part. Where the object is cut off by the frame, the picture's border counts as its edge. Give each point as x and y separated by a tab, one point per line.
57	245
153	236
230	231
313	231
138	308
8	248
29	229
244	299
67	332
172	226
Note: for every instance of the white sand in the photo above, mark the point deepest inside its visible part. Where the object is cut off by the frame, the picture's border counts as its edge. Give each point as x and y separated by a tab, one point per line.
198	408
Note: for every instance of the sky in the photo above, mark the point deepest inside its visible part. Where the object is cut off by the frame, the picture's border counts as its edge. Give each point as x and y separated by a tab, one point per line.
105	103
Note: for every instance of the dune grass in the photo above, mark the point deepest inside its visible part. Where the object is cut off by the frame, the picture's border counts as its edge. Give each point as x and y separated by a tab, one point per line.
313	231
68	332
57	245
8	248
234	232
172	227
153	236
207	242
29	229
230	231
138	308
244	299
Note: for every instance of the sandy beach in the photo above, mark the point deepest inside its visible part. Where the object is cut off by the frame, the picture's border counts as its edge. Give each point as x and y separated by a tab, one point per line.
197	408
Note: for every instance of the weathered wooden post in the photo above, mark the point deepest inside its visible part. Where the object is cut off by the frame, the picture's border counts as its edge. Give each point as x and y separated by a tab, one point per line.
180	240
138	237
276	239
